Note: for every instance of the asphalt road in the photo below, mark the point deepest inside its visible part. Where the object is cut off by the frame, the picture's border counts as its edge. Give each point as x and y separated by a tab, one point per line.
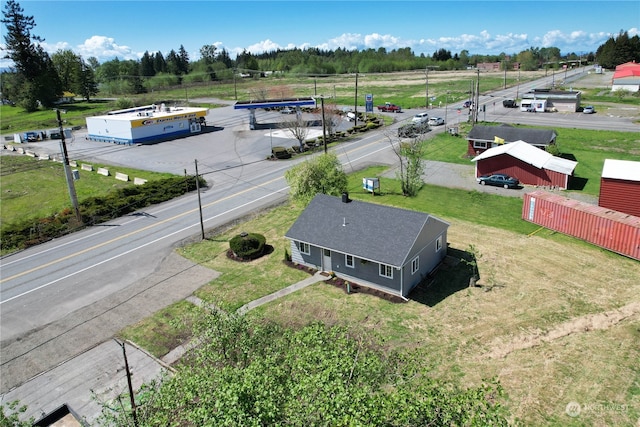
61	298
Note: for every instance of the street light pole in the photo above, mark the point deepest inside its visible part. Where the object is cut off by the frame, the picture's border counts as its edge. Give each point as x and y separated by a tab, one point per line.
67	170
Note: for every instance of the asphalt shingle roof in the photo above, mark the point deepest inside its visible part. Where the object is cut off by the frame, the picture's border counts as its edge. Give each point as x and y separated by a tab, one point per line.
512	134
374	232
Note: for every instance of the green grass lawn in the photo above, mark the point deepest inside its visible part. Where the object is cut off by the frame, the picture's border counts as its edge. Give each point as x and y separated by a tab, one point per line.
33	189
589	148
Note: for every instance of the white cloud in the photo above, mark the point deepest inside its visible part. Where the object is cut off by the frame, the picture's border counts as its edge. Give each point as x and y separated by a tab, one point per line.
105	48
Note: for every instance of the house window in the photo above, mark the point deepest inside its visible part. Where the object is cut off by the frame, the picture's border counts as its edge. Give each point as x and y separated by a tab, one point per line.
438	244
305	248
386	271
415	265
348	260
479	144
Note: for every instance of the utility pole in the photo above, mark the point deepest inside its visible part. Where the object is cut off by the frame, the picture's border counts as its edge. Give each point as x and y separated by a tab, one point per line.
505	74
131	396
324	129
67	170
355	121
235	87
199	201
426	90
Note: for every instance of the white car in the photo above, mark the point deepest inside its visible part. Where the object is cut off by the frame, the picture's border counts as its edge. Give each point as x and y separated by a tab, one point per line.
420	118
436	121
588	110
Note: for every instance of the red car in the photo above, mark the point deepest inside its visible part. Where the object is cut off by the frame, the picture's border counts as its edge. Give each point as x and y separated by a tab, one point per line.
390	108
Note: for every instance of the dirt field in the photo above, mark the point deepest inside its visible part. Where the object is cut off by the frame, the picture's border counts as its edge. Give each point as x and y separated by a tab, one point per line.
560	324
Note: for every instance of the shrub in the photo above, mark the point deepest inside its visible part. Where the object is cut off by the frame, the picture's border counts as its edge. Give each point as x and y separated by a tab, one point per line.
247	245
280	153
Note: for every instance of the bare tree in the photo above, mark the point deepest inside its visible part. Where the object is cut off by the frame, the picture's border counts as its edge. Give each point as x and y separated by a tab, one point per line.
298	127
411	165
332	118
280	92
259	93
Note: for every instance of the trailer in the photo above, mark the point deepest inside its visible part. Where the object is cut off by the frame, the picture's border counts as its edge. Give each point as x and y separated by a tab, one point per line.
533	105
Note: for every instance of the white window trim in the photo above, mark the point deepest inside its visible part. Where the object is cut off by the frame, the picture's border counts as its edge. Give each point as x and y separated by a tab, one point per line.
479	144
438	243
346	261
304	246
415	265
386	268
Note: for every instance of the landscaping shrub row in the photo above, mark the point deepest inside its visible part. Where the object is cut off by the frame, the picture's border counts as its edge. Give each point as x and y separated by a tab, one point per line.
94	210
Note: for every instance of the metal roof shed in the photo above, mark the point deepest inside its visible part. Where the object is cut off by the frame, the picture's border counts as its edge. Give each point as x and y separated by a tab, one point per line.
620	186
529	164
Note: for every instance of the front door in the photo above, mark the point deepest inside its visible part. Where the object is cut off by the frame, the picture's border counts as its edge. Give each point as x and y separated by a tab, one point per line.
326	260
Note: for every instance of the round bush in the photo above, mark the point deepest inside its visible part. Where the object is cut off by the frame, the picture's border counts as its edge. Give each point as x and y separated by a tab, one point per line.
247	245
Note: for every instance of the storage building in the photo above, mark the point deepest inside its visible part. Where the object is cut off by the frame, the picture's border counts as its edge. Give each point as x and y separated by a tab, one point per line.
609	229
531	165
146	125
620	186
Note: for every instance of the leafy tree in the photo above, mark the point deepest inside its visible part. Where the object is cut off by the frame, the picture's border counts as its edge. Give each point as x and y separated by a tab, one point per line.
208	53
411	165
38	79
253	373
66	63
321	174
12	418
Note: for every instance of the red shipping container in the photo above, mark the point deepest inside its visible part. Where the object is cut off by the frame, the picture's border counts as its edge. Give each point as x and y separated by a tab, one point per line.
609	229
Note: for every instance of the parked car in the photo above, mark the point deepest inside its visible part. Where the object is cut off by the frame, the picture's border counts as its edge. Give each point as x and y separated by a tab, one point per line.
436	121
287	110
509	103
388	107
499	180
420	118
588	110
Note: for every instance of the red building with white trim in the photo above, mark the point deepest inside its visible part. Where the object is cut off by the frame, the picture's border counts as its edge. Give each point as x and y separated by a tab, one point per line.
620	186
531	165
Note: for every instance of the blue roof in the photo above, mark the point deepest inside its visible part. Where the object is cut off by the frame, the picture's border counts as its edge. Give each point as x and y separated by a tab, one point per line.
273	103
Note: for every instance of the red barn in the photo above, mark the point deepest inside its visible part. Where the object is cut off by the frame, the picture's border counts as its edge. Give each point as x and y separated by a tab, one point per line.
620	186
529	164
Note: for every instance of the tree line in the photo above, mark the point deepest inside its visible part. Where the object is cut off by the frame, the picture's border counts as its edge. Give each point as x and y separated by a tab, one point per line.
39	79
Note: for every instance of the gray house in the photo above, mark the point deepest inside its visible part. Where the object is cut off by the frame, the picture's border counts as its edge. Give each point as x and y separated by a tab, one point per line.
381	247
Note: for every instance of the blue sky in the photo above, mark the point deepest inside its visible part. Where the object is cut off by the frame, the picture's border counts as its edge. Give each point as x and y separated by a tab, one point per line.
126	29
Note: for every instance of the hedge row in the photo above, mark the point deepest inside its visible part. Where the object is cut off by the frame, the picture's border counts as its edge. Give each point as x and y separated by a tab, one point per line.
94	210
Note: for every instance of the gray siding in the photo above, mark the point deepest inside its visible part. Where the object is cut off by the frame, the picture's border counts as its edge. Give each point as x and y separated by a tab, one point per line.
313	260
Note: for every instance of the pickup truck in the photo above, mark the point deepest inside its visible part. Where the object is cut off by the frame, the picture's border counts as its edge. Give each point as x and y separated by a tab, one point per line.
390	108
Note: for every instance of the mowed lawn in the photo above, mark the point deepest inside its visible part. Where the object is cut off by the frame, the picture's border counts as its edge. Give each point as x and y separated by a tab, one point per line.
33	189
555	320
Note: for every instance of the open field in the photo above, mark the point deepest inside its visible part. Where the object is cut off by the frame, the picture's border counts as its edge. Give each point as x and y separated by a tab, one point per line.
554	319
33	189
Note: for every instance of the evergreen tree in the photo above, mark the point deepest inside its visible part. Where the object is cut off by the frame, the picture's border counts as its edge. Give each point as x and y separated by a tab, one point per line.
39	80
146	65
183	61
85	81
159	63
